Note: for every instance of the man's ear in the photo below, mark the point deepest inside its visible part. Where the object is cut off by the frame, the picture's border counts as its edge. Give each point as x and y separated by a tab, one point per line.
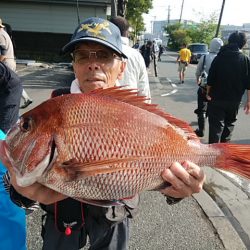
73	65
122	69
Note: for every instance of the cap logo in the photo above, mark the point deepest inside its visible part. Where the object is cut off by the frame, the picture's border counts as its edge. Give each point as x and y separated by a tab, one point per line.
96	29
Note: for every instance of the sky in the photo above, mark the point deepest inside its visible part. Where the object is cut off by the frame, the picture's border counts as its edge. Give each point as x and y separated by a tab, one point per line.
236	12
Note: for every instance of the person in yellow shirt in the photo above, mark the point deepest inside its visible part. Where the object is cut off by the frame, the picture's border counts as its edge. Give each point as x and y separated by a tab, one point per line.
183	59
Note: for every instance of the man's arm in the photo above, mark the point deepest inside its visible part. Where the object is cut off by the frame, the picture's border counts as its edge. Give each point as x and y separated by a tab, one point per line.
199	70
208	93
211	78
247	105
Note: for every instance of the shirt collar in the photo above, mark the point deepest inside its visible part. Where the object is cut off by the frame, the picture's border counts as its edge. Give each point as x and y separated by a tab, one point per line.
75	87
125	40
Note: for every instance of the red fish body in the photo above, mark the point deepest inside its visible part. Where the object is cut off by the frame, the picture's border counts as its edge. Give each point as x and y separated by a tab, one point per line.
107	145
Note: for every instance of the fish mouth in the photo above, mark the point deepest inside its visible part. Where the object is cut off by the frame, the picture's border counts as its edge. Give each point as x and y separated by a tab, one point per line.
40	170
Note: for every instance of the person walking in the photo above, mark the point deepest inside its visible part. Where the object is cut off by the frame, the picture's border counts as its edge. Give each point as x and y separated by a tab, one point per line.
201	77
98	62
136	45
183	60
8	58
135	74
160	52
148	53
143	48
228	78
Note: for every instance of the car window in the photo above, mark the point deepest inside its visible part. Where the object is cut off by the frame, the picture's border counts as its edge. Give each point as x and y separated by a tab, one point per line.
198	47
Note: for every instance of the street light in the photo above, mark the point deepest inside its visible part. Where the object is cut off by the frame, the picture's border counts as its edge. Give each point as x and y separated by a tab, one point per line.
221	13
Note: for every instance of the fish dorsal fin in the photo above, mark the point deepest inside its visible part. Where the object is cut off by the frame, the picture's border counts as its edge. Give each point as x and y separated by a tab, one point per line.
130	96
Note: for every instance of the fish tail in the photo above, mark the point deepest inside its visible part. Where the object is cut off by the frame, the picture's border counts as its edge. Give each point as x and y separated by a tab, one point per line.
234	158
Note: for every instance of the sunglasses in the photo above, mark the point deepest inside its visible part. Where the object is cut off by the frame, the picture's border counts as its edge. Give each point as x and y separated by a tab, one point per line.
82	56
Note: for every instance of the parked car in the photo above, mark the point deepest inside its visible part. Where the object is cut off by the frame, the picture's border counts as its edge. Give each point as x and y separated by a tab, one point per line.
197	50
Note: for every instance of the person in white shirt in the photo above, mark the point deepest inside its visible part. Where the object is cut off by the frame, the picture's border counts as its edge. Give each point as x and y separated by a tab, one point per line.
135	75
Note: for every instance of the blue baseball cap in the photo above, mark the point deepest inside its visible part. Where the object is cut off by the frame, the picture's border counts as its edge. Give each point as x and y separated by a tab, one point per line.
97	30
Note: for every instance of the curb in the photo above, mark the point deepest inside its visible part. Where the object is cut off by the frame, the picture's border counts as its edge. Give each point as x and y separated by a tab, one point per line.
234	202
223	227
227	210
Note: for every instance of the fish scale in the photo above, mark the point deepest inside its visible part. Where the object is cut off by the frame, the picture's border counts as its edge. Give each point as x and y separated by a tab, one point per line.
108	145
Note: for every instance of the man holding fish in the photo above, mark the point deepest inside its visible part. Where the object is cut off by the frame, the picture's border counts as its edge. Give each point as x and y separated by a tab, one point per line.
98	62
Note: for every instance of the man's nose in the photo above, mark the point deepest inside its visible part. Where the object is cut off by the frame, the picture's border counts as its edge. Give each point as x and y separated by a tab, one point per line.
93	63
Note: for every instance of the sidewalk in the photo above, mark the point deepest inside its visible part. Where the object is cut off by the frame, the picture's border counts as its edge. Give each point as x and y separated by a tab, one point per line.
226	205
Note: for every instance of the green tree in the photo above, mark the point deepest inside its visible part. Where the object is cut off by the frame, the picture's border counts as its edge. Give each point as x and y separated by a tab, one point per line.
134	11
204	31
177	35
201	32
180	36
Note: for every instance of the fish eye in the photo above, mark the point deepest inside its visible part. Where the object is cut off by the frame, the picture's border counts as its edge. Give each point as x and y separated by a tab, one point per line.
25	124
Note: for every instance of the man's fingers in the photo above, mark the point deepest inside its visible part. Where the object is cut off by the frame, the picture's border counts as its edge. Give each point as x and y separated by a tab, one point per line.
185	179
178	188
194	170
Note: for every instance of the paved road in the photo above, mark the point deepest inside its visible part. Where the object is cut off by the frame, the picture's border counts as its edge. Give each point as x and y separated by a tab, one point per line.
194	223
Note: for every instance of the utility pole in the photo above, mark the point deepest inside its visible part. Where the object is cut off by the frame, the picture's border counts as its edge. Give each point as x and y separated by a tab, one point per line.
169	14
77	9
118	8
181	10
121	7
221	13
113	8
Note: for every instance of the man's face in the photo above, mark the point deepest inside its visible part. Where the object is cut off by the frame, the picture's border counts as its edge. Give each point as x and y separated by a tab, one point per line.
96	66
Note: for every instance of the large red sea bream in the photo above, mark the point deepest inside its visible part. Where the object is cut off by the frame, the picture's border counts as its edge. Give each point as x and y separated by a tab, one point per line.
107	145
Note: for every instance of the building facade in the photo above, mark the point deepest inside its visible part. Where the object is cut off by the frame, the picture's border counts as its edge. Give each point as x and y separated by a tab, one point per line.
42	27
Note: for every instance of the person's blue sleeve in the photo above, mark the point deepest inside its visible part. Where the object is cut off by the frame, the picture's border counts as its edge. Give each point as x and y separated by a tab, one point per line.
12	218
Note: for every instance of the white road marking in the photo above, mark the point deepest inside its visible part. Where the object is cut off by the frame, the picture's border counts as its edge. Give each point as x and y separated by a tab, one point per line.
170	93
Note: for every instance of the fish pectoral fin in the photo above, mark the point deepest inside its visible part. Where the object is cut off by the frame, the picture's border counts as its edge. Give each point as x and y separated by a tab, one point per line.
76	169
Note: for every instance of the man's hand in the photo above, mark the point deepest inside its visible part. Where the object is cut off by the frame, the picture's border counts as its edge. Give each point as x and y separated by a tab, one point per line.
36	191
185	179
208	97
247	108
